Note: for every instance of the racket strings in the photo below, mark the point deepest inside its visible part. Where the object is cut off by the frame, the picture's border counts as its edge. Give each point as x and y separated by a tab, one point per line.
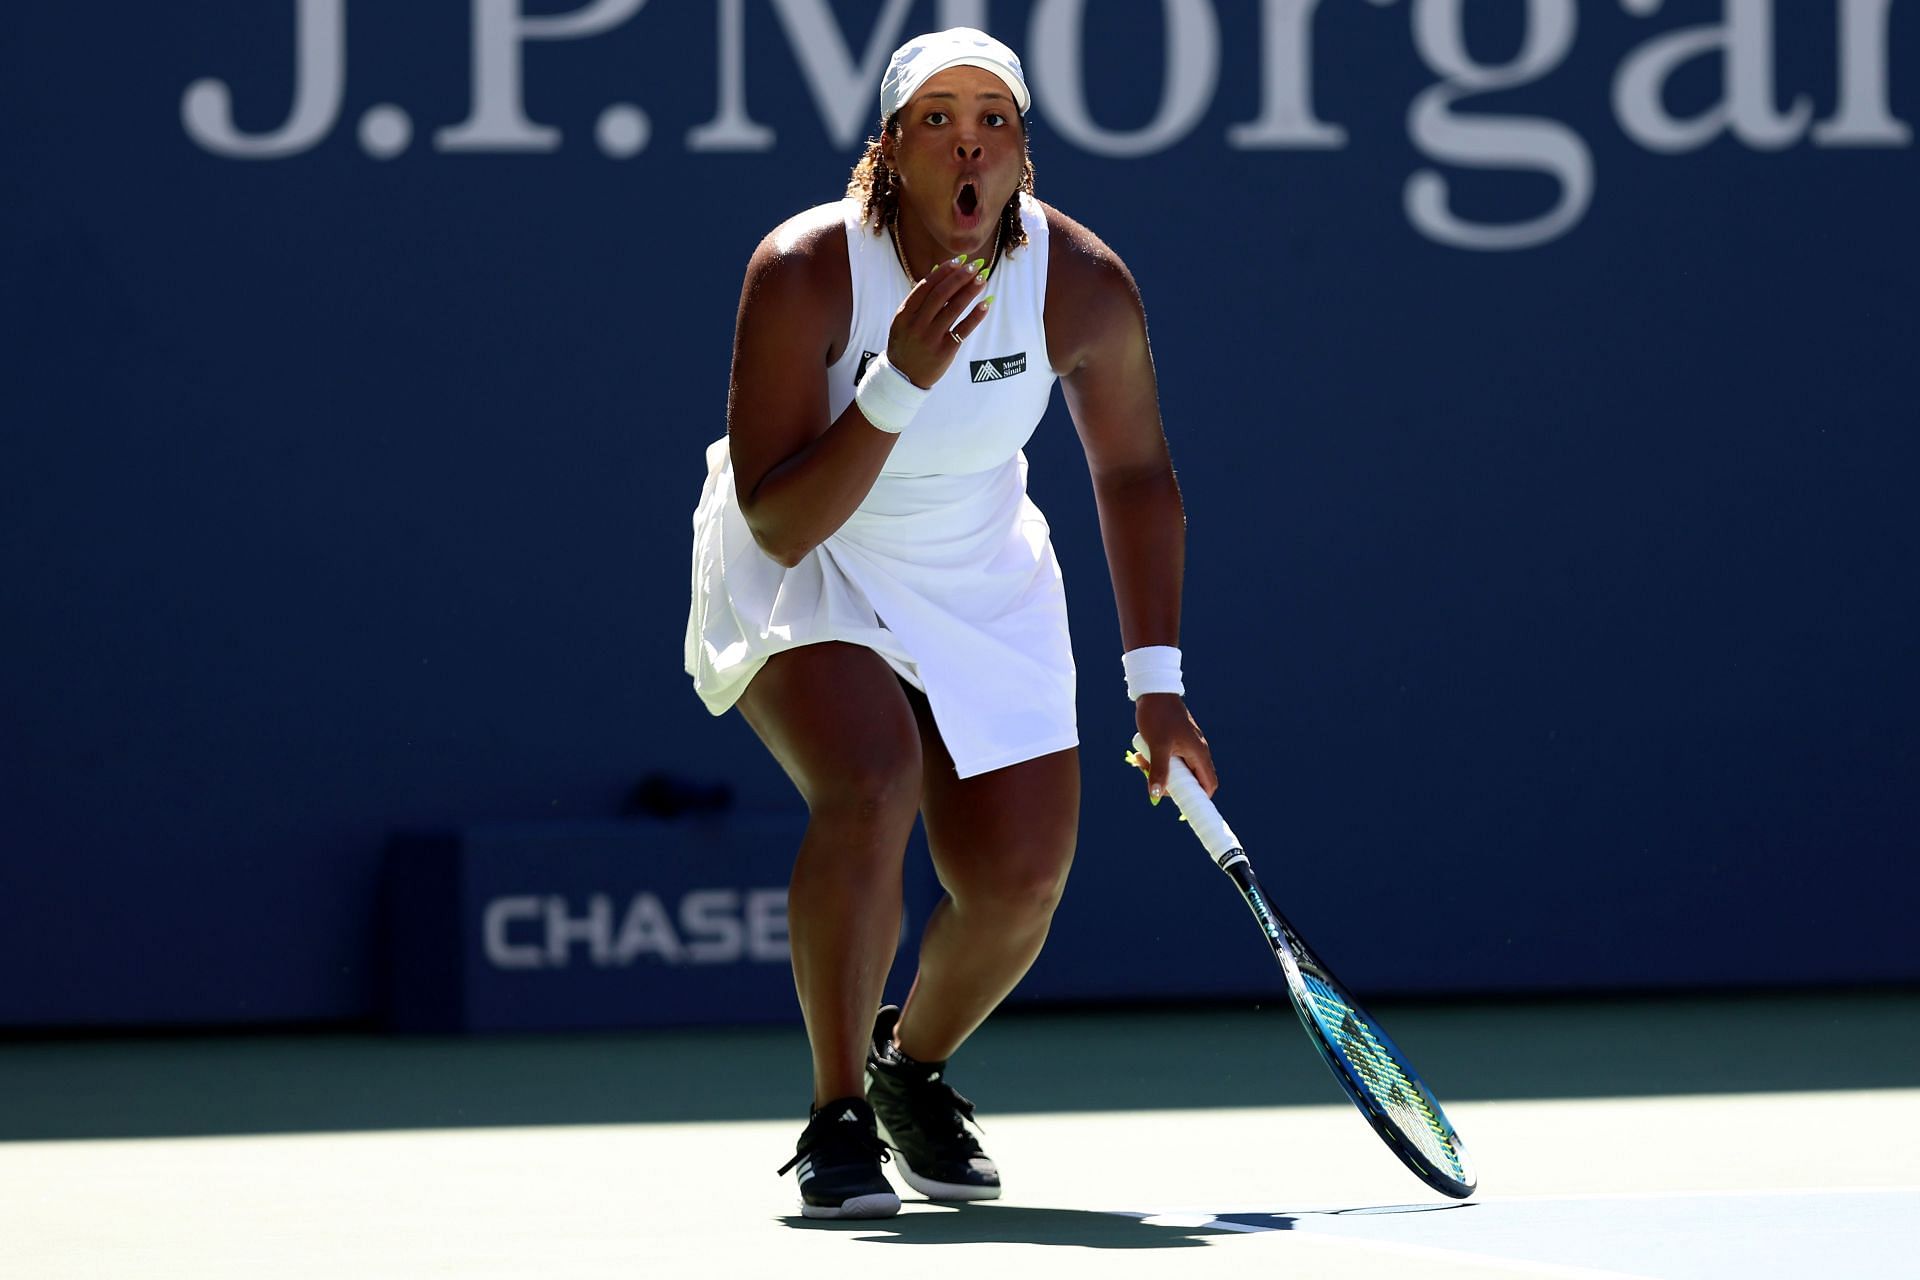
1380	1073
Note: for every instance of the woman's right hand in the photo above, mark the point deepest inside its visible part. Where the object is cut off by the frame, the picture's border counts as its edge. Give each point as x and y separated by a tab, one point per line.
932	323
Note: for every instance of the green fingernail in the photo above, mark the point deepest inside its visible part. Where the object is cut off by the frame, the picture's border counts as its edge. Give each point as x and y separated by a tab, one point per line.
958	260
984	301
979	263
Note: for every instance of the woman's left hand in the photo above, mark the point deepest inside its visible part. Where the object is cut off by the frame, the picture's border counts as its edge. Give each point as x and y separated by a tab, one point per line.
1169	731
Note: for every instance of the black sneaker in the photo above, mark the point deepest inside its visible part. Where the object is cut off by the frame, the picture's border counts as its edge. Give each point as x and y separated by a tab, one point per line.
838	1159
926	1121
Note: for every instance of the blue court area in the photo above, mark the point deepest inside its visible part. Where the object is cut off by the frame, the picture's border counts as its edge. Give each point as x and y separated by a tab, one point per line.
1671	1139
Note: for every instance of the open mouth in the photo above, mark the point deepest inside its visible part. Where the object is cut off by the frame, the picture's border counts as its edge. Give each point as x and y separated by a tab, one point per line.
968	201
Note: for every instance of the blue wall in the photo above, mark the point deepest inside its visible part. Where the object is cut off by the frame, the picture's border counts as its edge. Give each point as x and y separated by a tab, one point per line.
1552	607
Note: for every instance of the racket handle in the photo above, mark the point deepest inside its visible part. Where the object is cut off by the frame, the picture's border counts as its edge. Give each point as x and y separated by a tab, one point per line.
1196	807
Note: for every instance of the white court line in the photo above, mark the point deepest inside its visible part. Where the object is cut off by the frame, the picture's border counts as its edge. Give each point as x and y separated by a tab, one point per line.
1347	1210
1420	1252
1684	1195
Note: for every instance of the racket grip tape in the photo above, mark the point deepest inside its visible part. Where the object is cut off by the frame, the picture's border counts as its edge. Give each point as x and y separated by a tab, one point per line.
1195	806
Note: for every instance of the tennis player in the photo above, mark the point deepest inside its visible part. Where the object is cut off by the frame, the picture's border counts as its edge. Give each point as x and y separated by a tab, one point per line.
874	590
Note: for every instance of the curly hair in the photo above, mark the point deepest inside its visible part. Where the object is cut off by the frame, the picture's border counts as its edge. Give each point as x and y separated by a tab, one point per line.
878	189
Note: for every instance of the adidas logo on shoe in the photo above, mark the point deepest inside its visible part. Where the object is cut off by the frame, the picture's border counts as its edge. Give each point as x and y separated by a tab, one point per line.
839	1167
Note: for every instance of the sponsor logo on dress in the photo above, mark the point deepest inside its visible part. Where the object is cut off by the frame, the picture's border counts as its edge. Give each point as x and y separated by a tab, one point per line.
860	371
998	367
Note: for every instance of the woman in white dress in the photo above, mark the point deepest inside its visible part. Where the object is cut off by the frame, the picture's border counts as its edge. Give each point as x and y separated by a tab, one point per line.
874	591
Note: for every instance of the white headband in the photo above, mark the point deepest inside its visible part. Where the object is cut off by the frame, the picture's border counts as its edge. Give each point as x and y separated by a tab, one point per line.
923	57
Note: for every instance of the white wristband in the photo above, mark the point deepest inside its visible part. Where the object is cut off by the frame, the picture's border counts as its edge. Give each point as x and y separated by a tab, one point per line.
887	396
1153	668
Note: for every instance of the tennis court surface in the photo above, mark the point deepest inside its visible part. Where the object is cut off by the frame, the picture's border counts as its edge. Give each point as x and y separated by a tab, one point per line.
1723	1137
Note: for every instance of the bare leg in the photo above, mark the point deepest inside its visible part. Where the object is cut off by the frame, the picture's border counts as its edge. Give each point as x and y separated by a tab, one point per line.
836	718
1002	843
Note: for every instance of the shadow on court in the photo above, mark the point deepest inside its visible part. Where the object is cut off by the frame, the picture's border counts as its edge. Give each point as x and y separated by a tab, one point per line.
1018	1224
1022	1061
1015	1224
1290	1221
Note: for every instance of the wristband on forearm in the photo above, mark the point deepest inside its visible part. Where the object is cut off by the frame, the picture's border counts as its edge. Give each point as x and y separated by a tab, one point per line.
1153	668
887	397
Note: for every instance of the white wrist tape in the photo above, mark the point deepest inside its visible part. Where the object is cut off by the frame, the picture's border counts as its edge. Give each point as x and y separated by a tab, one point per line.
1153	668
887	396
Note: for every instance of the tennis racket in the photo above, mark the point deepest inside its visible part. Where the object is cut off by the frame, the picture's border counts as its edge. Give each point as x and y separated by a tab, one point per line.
1373	1071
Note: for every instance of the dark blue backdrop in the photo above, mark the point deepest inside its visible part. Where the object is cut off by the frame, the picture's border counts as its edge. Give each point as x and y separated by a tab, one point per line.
1551	607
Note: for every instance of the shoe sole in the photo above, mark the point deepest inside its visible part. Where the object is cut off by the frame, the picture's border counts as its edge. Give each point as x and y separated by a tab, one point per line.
881	1204
931	1189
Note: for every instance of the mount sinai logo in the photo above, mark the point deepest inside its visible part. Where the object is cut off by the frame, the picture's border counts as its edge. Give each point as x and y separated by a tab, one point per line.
990	370
998	367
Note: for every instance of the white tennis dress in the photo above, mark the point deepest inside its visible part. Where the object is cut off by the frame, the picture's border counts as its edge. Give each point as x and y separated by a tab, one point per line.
946	569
